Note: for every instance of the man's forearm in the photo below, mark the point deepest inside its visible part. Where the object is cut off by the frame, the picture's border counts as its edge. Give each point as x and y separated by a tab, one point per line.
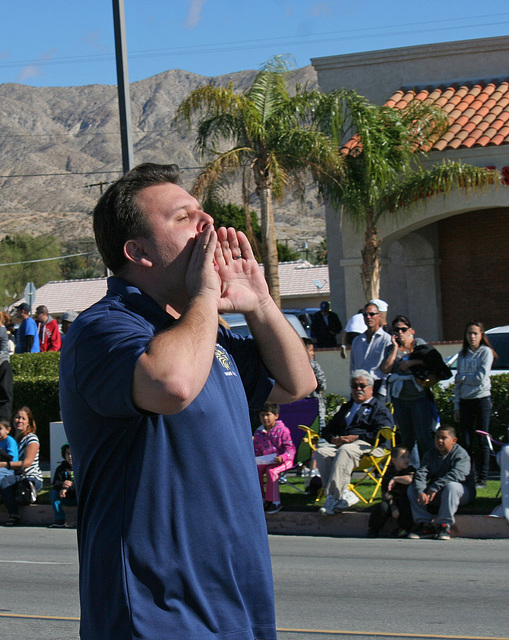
282	352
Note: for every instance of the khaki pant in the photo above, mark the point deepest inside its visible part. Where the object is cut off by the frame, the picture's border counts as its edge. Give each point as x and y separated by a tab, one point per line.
335	464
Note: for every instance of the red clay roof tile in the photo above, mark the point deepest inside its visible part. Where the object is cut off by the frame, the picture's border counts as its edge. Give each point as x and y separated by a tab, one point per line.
478	112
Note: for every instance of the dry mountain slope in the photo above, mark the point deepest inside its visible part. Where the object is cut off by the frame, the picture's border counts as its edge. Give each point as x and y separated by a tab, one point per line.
56	141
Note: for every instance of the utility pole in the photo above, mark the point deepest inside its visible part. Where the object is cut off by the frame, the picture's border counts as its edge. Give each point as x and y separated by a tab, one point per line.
124	100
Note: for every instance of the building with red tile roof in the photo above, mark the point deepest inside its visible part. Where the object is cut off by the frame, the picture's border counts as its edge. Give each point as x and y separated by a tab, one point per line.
445	262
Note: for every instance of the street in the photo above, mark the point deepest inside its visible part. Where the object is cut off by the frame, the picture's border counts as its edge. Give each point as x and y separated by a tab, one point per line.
326	588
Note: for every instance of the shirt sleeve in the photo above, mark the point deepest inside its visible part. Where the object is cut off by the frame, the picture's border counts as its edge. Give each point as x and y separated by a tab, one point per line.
106	353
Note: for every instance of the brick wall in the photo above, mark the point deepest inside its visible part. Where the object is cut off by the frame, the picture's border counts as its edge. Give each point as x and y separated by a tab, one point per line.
474	272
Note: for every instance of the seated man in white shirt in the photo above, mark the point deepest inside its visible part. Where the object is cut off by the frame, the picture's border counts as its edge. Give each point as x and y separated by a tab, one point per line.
350	434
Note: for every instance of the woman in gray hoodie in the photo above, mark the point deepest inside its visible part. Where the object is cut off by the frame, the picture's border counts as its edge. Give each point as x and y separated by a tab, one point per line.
472	395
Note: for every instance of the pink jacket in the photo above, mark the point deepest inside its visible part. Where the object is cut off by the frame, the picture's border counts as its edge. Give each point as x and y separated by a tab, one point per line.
278	440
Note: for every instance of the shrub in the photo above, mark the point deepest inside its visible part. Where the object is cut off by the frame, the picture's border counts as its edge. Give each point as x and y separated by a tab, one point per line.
36	386
499	396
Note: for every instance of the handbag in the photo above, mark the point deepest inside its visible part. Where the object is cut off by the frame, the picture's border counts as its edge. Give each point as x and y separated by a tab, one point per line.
24	491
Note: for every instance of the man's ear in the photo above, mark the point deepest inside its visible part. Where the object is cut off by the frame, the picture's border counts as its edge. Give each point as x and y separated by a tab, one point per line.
136	251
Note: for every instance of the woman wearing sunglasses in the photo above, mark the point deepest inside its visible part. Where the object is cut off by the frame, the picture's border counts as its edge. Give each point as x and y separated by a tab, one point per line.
414	409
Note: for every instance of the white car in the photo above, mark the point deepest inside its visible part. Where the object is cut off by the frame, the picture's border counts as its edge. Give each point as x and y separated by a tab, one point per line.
499	340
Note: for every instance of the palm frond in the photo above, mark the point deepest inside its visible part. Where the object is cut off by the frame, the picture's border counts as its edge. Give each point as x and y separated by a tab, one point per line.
441	178
220	171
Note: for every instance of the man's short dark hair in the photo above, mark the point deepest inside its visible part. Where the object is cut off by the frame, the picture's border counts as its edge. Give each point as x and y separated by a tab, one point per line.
117	216
270	407
41	309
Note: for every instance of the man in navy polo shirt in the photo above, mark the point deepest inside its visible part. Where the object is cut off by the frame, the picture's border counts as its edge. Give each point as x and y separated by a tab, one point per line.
154	397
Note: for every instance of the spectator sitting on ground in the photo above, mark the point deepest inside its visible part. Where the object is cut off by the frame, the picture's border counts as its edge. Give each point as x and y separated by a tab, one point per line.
325	326
394	502
27	337
49	333
350	434
68	317
28	463
445	478
63	492
273	439
8	449
321	382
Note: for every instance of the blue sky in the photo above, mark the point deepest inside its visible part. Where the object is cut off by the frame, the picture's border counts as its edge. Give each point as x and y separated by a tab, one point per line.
66	43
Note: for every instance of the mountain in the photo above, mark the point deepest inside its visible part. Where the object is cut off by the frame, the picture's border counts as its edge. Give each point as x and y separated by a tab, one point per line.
60	145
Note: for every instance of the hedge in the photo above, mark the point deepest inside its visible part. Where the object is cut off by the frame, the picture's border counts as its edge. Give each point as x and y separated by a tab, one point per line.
499	396
36	386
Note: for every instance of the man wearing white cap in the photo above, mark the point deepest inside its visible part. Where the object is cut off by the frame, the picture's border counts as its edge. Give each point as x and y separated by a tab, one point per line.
368	349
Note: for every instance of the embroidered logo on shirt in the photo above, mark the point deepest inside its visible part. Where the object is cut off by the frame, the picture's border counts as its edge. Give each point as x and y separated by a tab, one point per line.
224	360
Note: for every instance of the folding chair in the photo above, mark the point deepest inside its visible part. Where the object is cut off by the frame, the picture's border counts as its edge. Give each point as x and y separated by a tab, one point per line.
374	467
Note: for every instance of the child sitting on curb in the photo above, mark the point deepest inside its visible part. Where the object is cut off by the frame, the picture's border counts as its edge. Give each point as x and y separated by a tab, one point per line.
63	492
394	502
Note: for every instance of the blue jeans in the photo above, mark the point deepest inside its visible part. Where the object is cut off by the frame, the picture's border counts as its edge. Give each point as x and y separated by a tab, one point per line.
57	502
7	492
416	422
450	498
475	414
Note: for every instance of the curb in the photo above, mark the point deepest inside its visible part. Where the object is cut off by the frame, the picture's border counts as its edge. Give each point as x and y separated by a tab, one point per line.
349	524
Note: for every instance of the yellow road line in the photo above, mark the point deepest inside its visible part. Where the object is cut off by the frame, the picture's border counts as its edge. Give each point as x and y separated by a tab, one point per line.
30	617
390	635
310	631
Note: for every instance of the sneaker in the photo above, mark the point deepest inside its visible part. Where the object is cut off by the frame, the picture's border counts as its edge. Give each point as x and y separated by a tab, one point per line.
328	506
13	521
402	533
58	525
422	530
273	508
350	497
443	532
341	505
481	484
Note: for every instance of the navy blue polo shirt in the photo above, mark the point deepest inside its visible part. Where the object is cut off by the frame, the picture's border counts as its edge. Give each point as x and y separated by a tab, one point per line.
171	532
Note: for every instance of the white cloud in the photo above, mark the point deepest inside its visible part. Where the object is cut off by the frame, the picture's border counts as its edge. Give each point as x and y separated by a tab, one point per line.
194	15
34	70
320	9
94	40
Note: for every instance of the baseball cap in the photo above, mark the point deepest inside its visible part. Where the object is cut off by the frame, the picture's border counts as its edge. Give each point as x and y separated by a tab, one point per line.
23	307
69	316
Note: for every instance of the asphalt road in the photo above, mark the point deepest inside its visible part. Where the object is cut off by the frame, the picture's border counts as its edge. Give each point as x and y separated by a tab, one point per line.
326	588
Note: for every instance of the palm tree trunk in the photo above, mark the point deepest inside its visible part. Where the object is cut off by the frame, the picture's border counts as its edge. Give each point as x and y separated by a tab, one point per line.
269	250
253	240
371	267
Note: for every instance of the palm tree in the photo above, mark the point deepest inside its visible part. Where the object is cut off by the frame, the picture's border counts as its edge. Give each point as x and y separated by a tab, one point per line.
269	132
382	148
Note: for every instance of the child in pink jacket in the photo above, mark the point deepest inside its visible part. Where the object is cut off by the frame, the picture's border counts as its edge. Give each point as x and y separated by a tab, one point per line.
275	452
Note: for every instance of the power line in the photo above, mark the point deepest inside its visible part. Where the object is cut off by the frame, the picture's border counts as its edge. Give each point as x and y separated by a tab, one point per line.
71	255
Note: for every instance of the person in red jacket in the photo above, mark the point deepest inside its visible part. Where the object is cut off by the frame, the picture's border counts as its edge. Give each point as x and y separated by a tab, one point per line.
49	333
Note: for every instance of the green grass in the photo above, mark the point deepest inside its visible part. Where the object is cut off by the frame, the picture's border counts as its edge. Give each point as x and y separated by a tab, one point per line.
486	499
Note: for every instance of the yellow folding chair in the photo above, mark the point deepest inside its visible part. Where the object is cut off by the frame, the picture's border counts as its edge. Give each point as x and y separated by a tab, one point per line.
374	467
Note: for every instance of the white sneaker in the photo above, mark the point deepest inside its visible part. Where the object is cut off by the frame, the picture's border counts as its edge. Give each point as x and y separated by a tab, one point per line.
350	497
328	506
340	505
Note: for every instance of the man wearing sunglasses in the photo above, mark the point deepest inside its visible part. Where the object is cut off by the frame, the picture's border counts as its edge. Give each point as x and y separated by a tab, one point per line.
350	433
368	349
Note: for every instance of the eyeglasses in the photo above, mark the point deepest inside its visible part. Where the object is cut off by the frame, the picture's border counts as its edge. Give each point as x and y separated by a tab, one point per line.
358	385
402	329
370	313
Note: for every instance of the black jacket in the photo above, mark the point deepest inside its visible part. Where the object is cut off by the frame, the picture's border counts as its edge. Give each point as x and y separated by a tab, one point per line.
370	418
64	472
